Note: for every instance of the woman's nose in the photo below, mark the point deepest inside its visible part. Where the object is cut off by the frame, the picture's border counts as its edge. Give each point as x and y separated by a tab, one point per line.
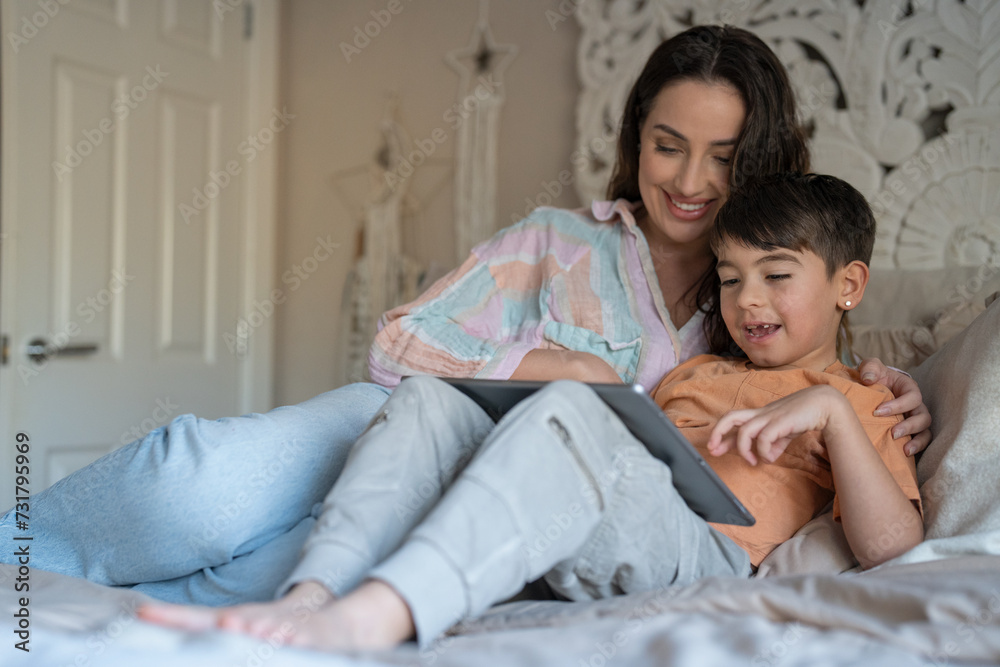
691	179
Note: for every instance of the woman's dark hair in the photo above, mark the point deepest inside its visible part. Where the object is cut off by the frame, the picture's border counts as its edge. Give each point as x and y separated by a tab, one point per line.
800	212
771	141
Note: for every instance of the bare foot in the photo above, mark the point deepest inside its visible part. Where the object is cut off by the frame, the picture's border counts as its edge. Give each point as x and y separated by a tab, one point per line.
258	619
265	618
373	616
181	616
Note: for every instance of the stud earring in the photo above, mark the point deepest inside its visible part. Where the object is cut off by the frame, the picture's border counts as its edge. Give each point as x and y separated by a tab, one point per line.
847	304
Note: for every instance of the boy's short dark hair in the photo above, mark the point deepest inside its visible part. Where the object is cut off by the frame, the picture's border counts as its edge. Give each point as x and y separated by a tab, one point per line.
799	212
814	212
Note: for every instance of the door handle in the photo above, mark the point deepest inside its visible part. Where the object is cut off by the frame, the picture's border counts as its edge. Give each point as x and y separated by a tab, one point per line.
40	350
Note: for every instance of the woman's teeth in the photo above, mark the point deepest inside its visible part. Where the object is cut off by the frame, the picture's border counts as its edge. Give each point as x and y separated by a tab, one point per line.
688	207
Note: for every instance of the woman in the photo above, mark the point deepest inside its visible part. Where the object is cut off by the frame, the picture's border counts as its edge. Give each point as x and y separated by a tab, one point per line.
215	513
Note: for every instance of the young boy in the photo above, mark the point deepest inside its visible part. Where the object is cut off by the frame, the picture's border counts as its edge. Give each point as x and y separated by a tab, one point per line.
792	259
439	513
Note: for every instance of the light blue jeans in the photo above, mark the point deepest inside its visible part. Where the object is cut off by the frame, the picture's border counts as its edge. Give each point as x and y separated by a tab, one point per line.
201	511
457	514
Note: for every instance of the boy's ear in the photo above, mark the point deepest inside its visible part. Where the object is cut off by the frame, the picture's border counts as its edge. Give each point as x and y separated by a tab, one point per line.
853	280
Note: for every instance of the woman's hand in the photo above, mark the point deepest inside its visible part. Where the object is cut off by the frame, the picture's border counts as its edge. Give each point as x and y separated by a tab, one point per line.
908	402
565	365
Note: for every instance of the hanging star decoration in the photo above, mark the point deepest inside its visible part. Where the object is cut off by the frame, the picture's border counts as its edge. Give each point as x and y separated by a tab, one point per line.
483	57
480	66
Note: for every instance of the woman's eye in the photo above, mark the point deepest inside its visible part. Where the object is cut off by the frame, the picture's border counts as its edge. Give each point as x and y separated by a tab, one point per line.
669	150
730	282
723	160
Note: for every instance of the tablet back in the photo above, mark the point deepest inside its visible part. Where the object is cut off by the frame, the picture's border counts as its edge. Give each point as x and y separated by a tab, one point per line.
693	478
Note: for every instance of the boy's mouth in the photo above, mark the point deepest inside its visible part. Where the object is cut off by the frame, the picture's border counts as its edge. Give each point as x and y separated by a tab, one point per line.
760	330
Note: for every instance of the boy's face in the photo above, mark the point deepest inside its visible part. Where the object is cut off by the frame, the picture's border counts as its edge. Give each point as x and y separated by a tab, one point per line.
779	305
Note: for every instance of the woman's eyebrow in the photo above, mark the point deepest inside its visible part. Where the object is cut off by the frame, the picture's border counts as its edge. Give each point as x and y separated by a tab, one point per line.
671	131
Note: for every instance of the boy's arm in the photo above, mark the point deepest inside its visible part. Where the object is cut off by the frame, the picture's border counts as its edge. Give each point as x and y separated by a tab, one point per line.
873	509
880	522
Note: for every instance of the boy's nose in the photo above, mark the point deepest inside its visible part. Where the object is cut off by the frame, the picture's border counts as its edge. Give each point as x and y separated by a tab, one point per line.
749	297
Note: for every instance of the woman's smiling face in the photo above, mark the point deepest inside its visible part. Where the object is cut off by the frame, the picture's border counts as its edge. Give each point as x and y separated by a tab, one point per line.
686	146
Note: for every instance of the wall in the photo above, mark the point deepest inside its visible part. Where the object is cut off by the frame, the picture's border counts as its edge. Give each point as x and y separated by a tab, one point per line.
338	105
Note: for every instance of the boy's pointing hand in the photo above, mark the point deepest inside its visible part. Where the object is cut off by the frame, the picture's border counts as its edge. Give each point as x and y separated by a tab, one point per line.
767	431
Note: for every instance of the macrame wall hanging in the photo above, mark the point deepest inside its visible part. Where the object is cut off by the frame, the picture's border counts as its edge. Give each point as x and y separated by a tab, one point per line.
383	276
481	66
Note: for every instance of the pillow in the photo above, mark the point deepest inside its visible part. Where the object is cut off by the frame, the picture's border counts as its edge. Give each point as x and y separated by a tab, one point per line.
819	547
907	346
900	347
958	471
900	297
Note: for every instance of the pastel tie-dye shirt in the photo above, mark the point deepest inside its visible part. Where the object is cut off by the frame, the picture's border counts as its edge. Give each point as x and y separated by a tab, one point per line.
558	279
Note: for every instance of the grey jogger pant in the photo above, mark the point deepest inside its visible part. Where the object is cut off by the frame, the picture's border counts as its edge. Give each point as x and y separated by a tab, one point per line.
456	513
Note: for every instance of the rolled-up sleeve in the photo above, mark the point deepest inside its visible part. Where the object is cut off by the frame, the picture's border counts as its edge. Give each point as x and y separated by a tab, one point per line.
556	280
463	326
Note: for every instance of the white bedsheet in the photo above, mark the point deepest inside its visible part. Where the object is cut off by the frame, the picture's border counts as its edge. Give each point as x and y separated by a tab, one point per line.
941	612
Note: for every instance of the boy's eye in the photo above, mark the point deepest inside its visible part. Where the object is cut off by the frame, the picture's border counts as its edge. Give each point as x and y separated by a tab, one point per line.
778	276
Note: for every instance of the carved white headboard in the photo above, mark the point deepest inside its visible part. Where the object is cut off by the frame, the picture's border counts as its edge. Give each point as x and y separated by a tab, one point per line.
902	98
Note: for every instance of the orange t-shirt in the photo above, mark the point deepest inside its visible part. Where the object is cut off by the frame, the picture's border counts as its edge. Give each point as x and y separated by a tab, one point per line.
783	495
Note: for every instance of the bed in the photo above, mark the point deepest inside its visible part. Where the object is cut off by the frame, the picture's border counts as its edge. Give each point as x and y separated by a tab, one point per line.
937	604
808	605
905	104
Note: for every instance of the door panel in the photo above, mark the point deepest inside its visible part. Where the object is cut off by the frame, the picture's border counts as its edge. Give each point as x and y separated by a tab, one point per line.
124	248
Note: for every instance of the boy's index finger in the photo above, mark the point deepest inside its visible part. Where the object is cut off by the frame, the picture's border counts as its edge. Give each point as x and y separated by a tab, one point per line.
744	443
719	443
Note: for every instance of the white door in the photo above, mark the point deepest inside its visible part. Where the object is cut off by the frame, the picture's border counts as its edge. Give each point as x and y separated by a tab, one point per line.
127	247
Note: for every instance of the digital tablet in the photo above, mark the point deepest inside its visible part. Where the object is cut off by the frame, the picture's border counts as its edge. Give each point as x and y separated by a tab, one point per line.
694	479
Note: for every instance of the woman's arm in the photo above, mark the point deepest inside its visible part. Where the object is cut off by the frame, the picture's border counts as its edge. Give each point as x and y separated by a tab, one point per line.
909	402
454	329
526	304
880	522
564	365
